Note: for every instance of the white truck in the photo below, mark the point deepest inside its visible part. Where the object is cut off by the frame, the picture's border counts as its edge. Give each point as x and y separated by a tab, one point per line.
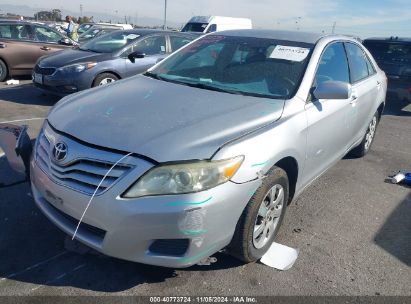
208	24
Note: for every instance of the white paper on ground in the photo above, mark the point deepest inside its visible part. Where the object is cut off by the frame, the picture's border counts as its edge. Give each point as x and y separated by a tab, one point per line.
12	82
291	53
280	257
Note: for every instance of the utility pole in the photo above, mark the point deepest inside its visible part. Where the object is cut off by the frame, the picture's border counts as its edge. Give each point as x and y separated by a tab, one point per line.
297	22
81	10
334	24
165	15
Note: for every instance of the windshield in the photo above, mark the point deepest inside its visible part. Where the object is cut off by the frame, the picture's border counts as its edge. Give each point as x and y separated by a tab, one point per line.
110	42
83	27
383	51
194	27
238	65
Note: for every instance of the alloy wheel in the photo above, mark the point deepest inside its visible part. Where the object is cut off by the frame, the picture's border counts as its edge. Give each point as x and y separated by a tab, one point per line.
268	216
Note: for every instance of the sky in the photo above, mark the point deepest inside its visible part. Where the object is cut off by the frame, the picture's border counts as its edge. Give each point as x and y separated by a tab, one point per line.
363	18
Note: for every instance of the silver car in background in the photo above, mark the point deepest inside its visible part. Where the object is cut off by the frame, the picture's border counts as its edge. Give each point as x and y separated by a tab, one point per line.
206	150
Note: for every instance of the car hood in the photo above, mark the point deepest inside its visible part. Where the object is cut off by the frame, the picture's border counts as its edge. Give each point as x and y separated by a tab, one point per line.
72	56
161	120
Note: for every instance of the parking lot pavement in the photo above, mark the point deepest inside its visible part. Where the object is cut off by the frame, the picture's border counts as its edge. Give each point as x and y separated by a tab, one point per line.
351	228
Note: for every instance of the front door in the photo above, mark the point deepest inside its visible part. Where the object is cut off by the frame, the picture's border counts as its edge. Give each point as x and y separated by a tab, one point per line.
154	48
330	122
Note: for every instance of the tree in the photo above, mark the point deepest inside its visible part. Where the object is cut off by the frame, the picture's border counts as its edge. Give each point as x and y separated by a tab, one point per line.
53	15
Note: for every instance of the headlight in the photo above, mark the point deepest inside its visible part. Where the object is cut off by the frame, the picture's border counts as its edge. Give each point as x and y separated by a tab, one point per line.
184	178
77	68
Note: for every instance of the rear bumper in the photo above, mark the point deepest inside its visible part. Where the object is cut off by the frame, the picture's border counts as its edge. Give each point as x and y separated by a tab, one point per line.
399	89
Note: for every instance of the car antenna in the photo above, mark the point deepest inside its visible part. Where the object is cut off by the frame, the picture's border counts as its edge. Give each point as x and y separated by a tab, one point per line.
95	191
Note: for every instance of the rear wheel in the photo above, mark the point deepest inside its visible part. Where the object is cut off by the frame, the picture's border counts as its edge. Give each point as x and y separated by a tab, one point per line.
3	71
104	78
365	145
261	218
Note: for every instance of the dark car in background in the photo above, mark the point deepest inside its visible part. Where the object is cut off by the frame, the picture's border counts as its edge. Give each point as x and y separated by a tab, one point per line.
105	59
96	31
22	43
393	55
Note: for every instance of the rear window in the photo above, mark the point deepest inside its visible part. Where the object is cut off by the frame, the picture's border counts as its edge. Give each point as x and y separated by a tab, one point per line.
383	51
194	27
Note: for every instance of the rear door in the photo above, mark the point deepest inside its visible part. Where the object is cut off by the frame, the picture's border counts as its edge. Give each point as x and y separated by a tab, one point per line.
330	121
155	49
366	87
48	40
17	48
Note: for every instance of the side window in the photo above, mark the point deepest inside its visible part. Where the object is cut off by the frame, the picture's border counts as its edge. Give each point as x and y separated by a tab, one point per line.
44	34
371	69
14	31
333	65
151	45
178	42
212	28
359	63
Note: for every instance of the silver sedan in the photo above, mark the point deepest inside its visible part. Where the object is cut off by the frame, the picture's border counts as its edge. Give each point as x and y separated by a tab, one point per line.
206	150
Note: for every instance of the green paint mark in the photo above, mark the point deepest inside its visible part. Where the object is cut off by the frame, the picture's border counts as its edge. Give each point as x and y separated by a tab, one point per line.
259	164
80	108
193	232
198	255
109	111
148	95
188	203
252	192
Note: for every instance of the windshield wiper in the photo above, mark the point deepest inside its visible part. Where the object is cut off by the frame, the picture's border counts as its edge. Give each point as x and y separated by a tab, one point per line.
153	75
202	85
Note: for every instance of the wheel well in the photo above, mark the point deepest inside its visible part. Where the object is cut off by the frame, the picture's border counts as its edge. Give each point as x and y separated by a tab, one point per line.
290	166
380	110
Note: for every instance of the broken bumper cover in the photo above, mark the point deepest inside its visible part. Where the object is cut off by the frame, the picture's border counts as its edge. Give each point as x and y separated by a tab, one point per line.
172	231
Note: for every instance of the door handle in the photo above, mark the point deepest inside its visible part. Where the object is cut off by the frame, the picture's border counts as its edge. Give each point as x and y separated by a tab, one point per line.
45	48
353	99
378	85
2	45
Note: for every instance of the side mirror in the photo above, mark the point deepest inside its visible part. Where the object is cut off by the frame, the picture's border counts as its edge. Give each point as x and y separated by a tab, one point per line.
132	57
65	41
332	90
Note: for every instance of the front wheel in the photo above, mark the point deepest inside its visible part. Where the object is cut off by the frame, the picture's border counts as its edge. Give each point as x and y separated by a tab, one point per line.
261	218
103	79
364	147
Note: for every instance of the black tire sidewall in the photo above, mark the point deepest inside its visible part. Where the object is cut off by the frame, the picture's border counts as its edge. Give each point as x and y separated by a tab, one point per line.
4	70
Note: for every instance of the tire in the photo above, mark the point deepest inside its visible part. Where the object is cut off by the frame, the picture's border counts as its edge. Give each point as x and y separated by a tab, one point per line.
3	71
104	78
246	245
364	147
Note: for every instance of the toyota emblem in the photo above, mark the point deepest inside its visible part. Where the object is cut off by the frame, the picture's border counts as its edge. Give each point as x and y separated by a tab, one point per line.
60	151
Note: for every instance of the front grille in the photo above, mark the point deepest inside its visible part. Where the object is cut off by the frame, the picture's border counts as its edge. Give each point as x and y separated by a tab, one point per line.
169	247
99	233
44	71
82	175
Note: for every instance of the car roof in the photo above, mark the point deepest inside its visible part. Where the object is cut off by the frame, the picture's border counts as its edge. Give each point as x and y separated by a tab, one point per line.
297	36
389	39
